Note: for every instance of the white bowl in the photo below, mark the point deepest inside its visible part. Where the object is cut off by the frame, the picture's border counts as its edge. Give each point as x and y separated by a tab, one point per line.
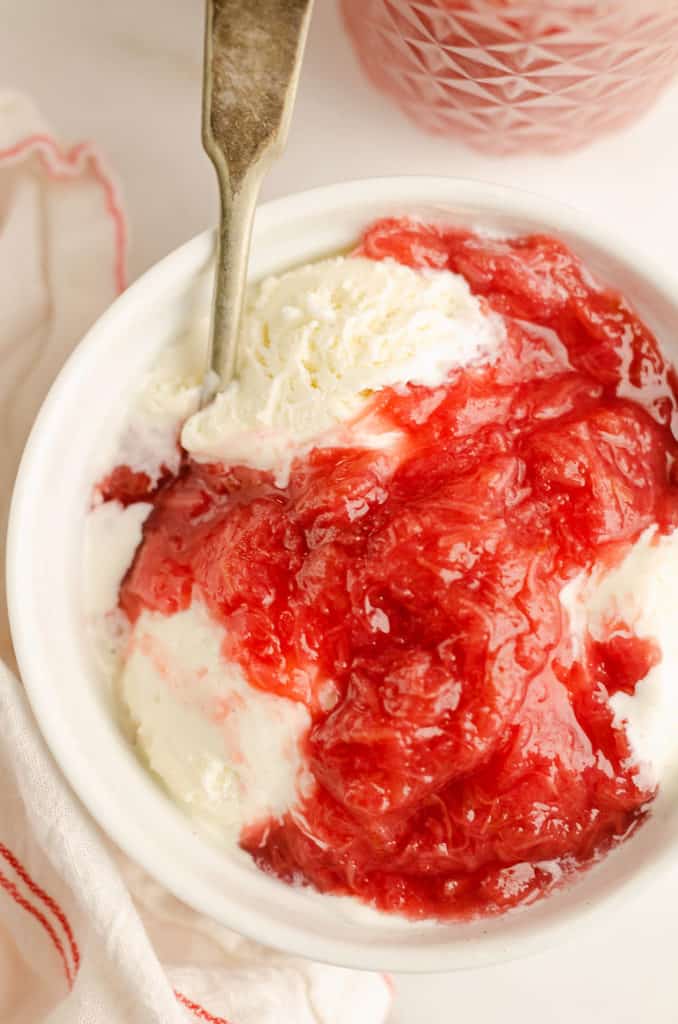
73	706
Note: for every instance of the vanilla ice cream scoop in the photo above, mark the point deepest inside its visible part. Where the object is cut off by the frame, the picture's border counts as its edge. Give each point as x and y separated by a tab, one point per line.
229	753
318	340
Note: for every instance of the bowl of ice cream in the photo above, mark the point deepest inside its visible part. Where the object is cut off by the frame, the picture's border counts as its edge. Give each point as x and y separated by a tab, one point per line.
371	660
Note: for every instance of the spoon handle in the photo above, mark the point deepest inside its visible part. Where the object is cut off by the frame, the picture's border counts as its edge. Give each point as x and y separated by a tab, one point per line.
253	51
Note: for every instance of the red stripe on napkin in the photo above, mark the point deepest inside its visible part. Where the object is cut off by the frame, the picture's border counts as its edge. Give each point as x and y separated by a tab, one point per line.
12	891
199	1011
62	164
45	898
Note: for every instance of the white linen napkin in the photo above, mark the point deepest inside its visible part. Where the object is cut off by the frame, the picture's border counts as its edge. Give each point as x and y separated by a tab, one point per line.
85	936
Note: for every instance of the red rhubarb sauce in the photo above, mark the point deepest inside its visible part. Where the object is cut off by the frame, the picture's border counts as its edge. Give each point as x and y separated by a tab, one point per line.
463	746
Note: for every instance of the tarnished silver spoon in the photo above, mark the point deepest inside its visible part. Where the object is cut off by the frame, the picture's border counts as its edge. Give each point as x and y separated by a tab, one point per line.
253	51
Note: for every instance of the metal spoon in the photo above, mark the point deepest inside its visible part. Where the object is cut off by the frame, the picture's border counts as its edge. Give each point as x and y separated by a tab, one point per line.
253	51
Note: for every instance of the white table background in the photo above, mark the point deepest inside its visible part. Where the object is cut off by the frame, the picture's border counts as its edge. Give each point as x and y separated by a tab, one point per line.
126	73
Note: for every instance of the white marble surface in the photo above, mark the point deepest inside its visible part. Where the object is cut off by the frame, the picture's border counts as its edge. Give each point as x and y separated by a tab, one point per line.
127	74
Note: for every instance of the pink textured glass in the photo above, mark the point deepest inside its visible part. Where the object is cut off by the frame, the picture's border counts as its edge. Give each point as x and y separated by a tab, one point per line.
511	75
